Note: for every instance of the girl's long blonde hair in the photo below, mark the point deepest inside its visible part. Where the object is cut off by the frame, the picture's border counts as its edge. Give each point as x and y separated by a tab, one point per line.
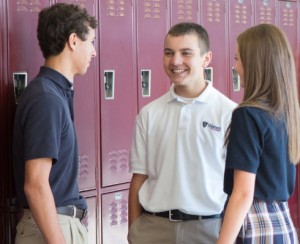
270	78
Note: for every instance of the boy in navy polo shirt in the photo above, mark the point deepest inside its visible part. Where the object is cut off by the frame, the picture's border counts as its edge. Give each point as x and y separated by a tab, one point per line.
45	146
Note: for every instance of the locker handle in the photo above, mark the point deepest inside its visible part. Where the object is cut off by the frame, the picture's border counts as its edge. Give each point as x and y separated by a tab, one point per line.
109	84
146	82
20	82
236	80
208	74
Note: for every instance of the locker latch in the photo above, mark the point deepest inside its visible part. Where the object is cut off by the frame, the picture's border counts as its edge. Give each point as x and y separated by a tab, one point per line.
20	82
208	74
236	81
109	84
146	82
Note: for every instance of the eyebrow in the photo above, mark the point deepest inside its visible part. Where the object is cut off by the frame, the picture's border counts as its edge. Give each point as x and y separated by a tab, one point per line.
183	49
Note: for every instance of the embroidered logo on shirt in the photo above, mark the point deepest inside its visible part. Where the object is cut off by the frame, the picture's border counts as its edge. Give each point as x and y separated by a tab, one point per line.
211	126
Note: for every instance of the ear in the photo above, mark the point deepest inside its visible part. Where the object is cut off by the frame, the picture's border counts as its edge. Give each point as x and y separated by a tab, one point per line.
207	59
72	41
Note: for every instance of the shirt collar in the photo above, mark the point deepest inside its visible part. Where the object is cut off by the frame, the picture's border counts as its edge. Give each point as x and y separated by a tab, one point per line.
202	98
56	77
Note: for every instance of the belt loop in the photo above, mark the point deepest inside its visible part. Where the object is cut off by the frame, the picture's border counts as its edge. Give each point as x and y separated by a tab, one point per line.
74	212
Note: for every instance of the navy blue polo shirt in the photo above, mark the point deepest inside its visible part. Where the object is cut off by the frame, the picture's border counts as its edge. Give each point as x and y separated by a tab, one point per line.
44	128
258	143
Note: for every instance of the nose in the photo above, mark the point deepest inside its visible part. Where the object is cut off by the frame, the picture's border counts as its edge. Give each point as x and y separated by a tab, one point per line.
94	53
176	59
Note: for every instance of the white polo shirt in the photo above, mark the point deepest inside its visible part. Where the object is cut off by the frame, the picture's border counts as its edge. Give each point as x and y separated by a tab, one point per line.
180	146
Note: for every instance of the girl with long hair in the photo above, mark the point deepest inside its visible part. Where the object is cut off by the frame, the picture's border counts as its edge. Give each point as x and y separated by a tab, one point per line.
263	141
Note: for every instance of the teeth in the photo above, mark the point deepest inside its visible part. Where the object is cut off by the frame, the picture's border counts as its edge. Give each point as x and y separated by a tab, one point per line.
178	70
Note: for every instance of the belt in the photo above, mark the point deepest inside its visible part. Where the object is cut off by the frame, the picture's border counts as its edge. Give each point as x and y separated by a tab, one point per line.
177	215
72	211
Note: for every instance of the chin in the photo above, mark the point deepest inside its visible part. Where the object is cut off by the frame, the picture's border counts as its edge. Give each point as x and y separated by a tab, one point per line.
82	72
178	82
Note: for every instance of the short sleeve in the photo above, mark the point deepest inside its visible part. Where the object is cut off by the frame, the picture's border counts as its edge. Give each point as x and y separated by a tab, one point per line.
245	141
138	157
45	116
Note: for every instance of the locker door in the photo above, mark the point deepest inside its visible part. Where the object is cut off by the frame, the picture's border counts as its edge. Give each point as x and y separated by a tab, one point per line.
118	89
86	107
3	232
5	132
294	203
184	11
152	81
240	19
265	12
90	221
114	217
24	56
24	51
214	19
288	22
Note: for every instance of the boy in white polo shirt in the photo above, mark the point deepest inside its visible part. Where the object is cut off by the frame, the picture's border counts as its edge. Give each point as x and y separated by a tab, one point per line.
178	155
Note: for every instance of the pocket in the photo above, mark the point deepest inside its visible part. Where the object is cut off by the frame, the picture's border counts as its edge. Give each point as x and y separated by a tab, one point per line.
134	223
27	230
83	233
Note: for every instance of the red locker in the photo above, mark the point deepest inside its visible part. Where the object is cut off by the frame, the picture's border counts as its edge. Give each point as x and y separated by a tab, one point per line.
24	61
90	221
152	81
184	11
294	204
118	89
5	126
265	12
214	19
3	230
22	42
86	109
288	22
240	18
114	217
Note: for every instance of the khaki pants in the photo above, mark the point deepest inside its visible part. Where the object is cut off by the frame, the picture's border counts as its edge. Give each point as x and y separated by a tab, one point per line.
148	229
28	232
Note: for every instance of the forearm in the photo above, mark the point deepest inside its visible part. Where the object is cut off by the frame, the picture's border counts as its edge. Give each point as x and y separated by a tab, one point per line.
43	209
235	214
134	207
238	206
40	199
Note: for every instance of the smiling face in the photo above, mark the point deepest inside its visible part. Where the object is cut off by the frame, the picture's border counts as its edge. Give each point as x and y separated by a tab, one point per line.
184	64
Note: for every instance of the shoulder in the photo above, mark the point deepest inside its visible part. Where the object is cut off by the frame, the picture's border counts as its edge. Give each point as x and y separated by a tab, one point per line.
41	89
41	97
156	104
217	100
220	98
254	117
251	112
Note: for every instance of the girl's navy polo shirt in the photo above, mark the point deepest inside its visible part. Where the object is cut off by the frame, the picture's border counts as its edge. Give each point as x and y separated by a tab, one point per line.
258	143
